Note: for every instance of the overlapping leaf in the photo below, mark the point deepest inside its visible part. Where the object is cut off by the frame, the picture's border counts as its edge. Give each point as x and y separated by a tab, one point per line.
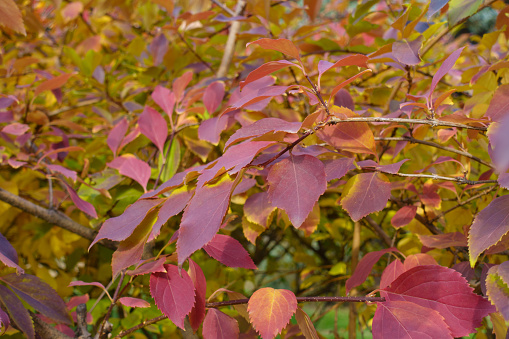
443	290
295	184
17	312
218	325
229	251
153	126
132	167
8	255
365	193
270	310
173	293
200	287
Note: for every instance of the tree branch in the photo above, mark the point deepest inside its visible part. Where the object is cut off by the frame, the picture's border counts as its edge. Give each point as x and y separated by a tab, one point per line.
432	144
460	180
230	43
431	122
53	217
46	331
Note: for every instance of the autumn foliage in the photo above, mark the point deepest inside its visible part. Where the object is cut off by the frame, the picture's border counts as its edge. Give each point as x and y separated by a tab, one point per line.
314	169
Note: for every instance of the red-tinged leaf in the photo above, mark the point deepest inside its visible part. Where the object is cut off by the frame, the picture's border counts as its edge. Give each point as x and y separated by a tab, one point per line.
281	45
404	216
262	95
8	255
132	167
295	184
270	310
266	69
211	129
200	287
218	325
149	267
229	252
262	127
305	324
503	180
337	168
258	209
406	320
17	312
355	137
445	291
154	127
39	295
173	293
4	321
365	193
489	226
391	272
11	17
52	83
240	308
16	129
64	171
348	60
83	205
158	48
498	150
407	52
180	84
430	196
496	289
234	159
313	8
441	160
71	11
444	69
346	82
364	267
130	250
121	227
213	96
311	223
173	205
418	259
60	150
201	219
165	99
116	135
499	104
446	240
134	302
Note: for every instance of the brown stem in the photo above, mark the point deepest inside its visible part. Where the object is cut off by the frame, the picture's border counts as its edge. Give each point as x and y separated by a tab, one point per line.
191	49
44	330
52	216
379	230
110	309
432	144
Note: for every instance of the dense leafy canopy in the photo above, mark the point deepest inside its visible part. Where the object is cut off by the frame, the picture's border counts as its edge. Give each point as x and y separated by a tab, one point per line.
207	168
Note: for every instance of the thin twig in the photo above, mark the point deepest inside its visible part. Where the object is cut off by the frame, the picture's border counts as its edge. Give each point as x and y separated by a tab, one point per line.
229	49
432	144
459	180
191	49
110	309
224	8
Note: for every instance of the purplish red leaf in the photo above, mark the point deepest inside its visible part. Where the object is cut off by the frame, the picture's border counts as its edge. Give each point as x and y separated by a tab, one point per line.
153	126
262	127
444	240
295	184
364	267
407	52
158	48
497	287
180	84
173	205
499	139
403	216
444	290
489	226
8	255
134	302
349	60
218	325
281	45
270	310
365	193
200	287
165	99
83	205
132	167
17	312
418	259
173	293
16	129
71	11
4	321
435	6
213	96
337	168
121	227
444	69
201	219
406	320
39	295
257	209
266	69
229	251
391	272
499	104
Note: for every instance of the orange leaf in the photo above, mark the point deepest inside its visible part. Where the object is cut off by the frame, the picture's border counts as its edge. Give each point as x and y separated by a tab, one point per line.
284	46
270	310
10	17
52	83
305	324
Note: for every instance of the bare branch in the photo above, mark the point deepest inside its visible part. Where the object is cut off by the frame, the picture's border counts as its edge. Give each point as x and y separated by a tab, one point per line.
230	43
